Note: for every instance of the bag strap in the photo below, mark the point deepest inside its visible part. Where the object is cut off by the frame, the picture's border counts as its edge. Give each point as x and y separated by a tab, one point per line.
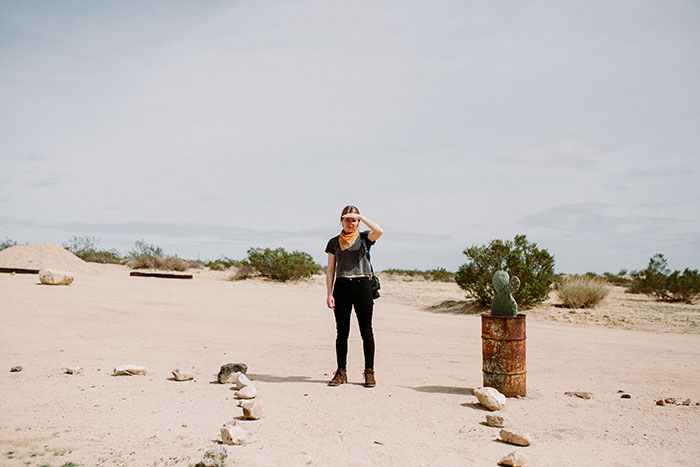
369	260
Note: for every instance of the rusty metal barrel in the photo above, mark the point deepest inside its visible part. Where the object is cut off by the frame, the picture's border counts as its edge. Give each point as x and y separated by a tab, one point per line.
503	351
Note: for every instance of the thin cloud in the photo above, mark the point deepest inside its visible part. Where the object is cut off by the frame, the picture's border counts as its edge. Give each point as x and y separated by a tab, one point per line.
47	182
567	153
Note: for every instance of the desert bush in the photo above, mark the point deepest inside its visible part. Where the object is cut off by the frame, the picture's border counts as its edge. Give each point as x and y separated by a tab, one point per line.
85	248
222	264
658	281
7	243
242	270
533	266
620	278
436	275
280	265
141	248
582	291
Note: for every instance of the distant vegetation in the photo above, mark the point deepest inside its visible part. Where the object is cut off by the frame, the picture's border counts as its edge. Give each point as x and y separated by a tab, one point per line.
436	275
518	257
7	243
582	291
147	256
85	248
657	280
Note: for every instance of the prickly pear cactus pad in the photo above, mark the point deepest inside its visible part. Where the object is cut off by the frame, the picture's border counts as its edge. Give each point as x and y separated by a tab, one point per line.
503	303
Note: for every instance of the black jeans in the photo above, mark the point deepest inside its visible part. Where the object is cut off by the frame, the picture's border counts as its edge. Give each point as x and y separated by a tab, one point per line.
349	292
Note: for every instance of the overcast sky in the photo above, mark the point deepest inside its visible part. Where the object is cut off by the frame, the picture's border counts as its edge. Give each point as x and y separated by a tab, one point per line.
211	127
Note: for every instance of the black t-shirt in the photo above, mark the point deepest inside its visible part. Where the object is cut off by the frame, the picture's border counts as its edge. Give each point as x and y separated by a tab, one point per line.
353	261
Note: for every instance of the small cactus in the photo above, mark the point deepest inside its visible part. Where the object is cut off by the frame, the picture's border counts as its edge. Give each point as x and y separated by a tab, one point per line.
503	303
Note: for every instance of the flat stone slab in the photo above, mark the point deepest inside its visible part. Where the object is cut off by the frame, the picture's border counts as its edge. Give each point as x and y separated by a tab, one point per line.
162	275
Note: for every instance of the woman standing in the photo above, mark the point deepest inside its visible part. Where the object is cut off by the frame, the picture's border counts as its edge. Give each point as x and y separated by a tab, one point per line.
348	286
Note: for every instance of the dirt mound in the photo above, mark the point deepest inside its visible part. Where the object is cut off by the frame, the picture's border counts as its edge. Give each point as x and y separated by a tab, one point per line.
43	255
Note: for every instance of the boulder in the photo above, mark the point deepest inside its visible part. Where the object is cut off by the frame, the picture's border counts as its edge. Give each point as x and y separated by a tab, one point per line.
73	370
182	375
247	392
243	381
519	439
129	370
232	433
251	410
226	373
490	398
498	421
55	277
514	459
15	369
215	456
686	402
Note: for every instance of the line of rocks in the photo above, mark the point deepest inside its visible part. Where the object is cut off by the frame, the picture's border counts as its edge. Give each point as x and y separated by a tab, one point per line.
493	400
232	433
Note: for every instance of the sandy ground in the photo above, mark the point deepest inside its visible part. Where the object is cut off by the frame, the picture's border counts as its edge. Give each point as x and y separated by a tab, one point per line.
422	411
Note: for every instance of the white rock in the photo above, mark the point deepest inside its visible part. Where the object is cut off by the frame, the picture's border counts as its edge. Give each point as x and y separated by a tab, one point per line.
230	377
251	410
215	456
519	439
242	381
73	370
181	375
232	433
129	370
55	277
514	459
248	392
498	421
490	398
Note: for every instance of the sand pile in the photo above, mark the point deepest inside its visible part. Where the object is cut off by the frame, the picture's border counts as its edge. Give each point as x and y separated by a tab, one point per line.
43	255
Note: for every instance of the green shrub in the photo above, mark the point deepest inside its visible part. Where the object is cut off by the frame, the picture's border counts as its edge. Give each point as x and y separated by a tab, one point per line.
7	243
533	266
222	264
658	281
582	291
620	278
280	265
141	248
85	248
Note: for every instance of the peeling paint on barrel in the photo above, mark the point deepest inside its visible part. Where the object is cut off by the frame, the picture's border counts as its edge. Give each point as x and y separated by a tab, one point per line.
503	350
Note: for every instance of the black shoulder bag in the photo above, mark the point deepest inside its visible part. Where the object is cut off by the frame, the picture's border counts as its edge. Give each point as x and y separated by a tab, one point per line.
373	279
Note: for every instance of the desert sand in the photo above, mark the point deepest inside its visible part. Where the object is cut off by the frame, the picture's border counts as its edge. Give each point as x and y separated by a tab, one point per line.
422	411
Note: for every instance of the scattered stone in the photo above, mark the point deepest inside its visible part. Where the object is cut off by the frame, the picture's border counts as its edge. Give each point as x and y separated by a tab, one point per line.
625	396
619	391
686	402
73	370
514	459
243	381
581	394
215	456
225	373
129	370
55	277
15	369
498	421
251	410
670	400
660	402
232	433
247	392
182	375
519	439
490	398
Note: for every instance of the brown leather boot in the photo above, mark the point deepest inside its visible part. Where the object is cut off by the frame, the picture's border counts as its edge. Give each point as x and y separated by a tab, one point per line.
340	377
369	378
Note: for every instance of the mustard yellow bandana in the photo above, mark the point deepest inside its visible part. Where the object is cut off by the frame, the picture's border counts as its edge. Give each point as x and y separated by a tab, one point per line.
347	240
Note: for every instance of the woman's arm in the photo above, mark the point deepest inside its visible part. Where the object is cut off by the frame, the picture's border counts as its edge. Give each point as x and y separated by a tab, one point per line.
375	230
330	278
